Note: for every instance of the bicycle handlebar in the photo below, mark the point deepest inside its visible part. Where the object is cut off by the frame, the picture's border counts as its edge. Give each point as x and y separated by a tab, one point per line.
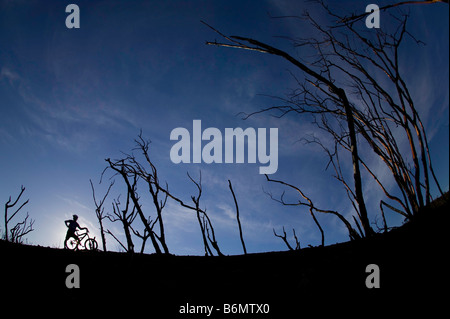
82	231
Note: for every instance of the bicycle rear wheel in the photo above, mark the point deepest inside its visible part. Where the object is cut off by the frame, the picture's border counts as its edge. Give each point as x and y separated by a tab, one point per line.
72	244
91	244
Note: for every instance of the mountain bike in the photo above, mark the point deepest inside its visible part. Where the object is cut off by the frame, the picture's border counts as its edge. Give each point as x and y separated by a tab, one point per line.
84	242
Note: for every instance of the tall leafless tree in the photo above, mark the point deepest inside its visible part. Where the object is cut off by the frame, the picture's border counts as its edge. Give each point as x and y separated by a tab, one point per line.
150	176
128	172
132	169
355	90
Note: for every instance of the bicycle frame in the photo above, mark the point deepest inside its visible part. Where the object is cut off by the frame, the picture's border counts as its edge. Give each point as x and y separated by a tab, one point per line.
81	236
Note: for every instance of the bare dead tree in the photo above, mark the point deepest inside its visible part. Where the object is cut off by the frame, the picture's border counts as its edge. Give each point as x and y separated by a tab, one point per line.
200	218
127	171
237	217
21	228
132	170
206	226
144	236
153	184
284	238
355	87
100	211
126	217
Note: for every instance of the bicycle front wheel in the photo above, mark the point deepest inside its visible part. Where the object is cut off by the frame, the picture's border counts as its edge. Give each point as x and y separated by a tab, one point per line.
91	244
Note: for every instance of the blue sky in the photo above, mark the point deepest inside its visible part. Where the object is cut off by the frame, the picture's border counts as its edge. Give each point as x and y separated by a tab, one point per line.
72	97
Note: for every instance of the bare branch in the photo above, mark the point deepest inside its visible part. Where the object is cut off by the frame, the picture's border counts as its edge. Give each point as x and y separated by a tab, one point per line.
352	233
21	228
99	211
355	18
117	239
237	217
297	242
284	238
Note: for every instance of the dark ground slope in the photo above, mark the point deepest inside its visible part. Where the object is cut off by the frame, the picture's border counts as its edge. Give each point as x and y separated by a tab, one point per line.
328	280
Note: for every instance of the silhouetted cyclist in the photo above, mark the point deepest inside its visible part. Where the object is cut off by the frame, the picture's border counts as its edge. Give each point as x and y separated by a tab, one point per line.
72	225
